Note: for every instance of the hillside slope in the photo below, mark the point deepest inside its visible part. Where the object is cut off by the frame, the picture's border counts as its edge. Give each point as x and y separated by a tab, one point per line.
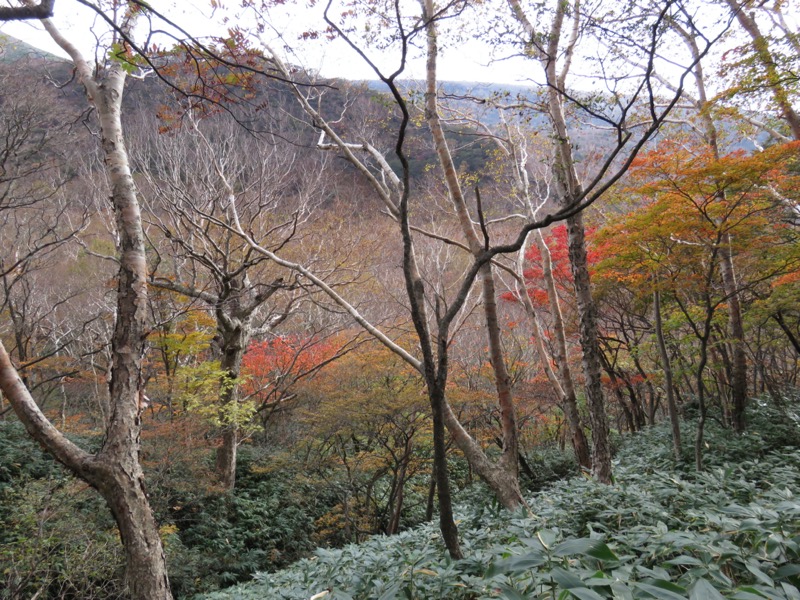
660	532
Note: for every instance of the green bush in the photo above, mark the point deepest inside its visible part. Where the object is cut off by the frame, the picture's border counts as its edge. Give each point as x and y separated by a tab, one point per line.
56	542
661	531
57	539
21	457
222	538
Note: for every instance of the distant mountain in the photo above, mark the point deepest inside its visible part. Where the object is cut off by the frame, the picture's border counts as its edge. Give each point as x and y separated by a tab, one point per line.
12	50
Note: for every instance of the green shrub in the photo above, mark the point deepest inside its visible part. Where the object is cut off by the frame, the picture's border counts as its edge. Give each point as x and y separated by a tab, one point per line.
222	538
548	464
21	457
57	539
56	542
661	531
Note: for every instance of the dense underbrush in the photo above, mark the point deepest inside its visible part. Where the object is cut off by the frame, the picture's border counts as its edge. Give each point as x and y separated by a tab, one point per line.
661	531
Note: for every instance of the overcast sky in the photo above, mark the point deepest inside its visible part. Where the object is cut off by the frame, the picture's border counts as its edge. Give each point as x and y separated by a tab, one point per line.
468	62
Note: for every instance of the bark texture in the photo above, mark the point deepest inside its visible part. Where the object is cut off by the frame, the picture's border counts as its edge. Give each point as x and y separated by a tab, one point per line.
43	10
587	311
736	331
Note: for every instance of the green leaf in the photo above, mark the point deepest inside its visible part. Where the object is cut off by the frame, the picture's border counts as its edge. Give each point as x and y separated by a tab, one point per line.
769	592
586	547
760	575
547	537
703	590
660	592
747	593
598	581
516	564
510	593
791	591
391	592
622	591
685	560
585	594
566	579
787	571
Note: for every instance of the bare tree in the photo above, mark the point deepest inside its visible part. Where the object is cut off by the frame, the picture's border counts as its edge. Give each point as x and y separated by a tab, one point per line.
194	178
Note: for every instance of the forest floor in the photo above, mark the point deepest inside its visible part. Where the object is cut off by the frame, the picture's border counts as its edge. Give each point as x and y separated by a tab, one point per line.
662	530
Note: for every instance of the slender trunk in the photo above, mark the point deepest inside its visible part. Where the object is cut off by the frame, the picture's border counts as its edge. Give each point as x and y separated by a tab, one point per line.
568	396
502	483
447	523
736	331
666	365
626	413
398	496
570	189
525	467
704	337
587	310
650	399
778	318
431	495
701	401
508	419
636	405
435	370
503	479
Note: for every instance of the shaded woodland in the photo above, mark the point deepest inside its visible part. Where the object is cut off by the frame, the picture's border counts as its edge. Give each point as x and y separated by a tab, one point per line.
247	311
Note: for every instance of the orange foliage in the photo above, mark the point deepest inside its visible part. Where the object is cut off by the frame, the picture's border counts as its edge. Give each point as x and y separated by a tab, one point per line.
558	243
269	367
688	202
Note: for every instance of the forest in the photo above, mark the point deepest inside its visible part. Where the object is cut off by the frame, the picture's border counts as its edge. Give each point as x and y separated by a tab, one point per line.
269	333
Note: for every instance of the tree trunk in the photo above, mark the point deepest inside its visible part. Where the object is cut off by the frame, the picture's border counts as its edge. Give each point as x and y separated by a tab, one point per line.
225	462
398	496
569	398
701	401
115	470
508	420
601	452
447	523
431	495
666	365
503	484
736	331
502	479
145	571
778	318
570	190
233	343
